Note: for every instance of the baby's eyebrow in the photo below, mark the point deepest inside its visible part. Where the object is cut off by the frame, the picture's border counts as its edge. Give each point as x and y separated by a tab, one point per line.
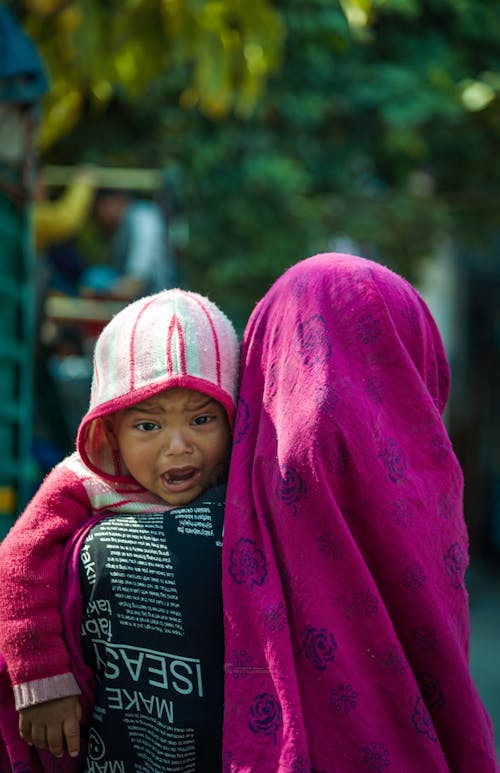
200	406
152	407
142	408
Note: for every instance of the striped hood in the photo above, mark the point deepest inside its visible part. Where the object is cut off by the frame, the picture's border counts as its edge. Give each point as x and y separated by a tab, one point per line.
172	339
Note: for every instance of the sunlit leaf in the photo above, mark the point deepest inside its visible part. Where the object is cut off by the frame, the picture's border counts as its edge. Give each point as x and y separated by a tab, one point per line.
62	111
229	46
476	95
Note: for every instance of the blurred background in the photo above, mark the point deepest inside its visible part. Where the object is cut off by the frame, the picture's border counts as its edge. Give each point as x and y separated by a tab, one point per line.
246	136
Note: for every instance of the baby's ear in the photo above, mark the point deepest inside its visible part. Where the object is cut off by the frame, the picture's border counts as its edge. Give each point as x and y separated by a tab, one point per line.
109	430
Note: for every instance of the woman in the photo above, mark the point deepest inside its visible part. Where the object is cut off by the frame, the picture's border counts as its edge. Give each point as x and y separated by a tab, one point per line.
345	546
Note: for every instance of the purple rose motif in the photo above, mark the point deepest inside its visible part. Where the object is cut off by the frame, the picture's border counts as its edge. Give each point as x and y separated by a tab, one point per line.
242	422
227	762
440	447
247	564
410	313
330	546
300	286
313	341
394	660
431	690
265	716
422	721
368	329
445	505
394	461
240	664
425	638
456	562
375	390
376	757
364	604
274	618
414	577
403	514
319	646
290	487
344	698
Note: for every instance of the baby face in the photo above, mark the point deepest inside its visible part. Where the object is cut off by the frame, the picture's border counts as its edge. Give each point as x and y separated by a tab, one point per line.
175	444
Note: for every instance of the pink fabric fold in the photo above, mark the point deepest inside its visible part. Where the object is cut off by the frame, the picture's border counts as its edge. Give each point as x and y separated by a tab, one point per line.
345	546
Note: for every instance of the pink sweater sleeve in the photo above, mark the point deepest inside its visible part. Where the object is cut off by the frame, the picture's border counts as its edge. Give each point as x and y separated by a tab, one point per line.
30	623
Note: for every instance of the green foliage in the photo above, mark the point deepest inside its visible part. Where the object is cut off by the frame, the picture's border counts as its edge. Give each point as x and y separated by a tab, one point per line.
95	50
380	125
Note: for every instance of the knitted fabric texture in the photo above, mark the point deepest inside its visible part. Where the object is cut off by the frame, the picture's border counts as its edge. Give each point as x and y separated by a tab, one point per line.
345	546
172	339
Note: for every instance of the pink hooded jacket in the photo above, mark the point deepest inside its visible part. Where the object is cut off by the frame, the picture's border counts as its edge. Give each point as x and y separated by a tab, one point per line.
345	546
172	339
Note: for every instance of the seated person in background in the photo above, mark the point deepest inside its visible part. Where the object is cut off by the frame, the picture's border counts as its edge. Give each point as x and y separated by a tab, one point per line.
140	262
59	219
56	222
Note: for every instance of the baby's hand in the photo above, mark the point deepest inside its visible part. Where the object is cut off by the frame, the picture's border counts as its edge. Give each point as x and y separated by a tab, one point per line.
53	725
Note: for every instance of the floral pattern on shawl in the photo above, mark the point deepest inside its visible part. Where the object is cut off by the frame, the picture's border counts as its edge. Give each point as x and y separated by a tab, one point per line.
345	546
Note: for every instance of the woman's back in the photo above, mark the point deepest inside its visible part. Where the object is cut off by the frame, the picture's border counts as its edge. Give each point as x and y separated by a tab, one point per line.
345	546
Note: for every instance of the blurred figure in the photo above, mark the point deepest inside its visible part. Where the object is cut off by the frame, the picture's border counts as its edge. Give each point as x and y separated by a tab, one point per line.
56	222
61	372
23	82
140	263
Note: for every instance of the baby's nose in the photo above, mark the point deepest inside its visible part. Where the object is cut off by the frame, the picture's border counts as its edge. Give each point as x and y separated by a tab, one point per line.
177	442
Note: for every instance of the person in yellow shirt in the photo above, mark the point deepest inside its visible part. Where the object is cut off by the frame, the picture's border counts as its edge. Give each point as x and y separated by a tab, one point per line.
57	220
55	223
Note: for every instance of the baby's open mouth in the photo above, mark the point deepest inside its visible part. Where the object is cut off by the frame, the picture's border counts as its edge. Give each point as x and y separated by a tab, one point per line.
180	475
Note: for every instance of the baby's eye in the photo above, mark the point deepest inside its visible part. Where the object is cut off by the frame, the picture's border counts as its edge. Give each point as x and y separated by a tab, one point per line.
200	420
146	426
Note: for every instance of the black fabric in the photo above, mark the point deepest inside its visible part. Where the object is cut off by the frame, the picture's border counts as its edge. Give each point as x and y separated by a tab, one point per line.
152	632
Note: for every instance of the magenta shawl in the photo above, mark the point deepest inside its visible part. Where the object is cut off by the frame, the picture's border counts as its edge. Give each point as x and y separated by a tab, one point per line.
345	546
